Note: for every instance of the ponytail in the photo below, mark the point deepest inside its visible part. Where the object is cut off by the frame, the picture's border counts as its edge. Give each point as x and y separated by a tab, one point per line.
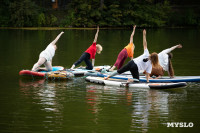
154	59
171	69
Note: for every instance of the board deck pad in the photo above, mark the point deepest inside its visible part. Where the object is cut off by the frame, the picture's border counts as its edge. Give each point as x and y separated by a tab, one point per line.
82	70
123	83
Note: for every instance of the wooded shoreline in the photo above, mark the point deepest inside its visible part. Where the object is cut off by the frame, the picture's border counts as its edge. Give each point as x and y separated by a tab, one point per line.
88	14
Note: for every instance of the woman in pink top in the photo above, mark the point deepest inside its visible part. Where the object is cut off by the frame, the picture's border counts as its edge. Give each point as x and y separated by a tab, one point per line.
89	54
125	53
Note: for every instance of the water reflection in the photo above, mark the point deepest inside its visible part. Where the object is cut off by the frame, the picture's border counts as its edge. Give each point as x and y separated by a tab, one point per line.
148	108
77	106
46	99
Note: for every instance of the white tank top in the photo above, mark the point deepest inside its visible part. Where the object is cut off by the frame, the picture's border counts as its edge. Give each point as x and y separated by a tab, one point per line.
142	64
48	53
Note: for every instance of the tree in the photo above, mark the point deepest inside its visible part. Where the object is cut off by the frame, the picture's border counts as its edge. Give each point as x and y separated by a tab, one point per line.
23	13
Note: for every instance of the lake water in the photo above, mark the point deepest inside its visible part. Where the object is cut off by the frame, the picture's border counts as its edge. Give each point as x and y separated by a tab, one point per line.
76	106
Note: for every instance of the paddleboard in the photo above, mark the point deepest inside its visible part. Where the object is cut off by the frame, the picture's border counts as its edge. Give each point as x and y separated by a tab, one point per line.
123	83
175	79
39	74
143	78
99	74
61	75
82	70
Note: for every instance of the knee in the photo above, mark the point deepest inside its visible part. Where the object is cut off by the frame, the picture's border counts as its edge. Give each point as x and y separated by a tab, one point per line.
89	67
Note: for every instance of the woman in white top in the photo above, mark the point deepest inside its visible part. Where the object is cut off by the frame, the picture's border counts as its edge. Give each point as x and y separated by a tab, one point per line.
141	63
47	55
165	59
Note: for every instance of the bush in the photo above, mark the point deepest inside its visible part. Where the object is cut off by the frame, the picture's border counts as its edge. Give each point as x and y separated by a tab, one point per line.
23	13
41	19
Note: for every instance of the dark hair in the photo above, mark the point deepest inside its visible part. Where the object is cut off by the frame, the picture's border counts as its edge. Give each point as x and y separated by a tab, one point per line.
145	60
171	69
170	55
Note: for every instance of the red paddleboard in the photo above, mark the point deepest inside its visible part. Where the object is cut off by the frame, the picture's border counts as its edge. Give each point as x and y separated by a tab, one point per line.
31	73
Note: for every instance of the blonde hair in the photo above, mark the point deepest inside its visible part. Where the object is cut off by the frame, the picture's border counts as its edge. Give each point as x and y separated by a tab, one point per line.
99	48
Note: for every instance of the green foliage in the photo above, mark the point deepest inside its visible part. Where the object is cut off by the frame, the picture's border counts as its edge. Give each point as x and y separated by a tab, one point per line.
191	17
23	13
41	19
115	15
4	21
51	20
119	13
89	13
186	18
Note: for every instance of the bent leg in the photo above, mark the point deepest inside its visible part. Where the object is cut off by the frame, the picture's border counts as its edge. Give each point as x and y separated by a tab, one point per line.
83	56
125	67
88	64
134	71
48	65
38	64
122	62
121	59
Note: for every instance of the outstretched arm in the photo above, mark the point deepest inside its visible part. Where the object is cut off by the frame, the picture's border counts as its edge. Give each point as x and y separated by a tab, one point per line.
96	36
131	38
176	46
144	39
56	39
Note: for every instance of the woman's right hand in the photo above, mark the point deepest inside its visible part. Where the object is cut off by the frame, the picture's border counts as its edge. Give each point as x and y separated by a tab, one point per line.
144	32
179	46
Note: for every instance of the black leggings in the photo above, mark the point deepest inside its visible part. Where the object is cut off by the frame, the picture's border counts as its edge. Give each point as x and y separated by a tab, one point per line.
85	57
132	67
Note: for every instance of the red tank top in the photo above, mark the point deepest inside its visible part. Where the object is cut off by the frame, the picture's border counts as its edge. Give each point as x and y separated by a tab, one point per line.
92	50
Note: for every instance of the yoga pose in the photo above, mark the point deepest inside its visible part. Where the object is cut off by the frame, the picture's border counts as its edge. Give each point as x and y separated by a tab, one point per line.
90	54
165	62
128	51
47	55
141	63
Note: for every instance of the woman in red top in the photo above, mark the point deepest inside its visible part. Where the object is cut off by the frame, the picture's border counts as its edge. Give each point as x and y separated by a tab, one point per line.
125	53
89	54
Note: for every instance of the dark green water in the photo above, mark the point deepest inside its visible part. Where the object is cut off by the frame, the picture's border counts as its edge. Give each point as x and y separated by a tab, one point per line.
30	105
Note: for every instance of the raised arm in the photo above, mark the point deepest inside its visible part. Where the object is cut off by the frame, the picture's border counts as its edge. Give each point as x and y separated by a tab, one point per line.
176	46
56	39
96	35
144	39
131	38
